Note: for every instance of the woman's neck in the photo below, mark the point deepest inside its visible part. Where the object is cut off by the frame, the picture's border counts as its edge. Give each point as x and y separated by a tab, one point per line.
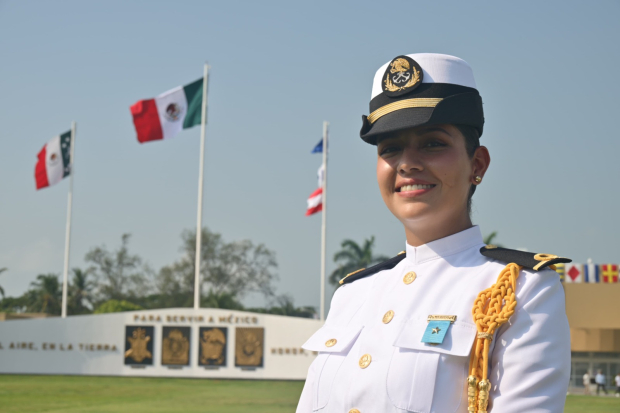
421	234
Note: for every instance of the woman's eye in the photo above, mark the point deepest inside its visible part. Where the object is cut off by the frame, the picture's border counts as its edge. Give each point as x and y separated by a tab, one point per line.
434	144
388	150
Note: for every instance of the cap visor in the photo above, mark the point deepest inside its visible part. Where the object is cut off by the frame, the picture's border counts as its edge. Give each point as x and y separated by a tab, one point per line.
396	121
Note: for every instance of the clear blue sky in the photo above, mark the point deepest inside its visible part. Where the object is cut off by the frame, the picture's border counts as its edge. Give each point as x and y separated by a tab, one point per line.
547	72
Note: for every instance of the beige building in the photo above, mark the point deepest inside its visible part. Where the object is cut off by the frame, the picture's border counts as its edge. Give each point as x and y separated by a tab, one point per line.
593	312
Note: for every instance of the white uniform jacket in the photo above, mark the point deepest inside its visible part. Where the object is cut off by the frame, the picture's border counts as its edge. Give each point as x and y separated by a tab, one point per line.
529	357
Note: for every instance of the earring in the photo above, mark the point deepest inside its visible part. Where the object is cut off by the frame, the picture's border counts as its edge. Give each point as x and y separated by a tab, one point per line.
478	179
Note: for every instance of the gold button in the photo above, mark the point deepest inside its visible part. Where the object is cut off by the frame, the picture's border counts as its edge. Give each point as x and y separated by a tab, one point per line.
365	361
331	342
354	411
387	317
409	277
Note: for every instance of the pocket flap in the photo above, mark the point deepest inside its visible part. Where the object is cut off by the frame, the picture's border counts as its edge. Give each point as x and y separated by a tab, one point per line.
332	340
457	342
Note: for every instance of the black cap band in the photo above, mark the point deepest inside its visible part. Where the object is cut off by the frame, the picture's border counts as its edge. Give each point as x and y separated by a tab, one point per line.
429	103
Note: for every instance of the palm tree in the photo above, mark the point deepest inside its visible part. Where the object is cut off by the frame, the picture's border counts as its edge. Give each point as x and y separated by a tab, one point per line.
489	238
2	289
353	257
80	292
45	295
286	306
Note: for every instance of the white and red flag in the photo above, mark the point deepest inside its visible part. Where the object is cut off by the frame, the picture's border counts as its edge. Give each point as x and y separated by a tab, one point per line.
573	273
166	115
54	161
315	202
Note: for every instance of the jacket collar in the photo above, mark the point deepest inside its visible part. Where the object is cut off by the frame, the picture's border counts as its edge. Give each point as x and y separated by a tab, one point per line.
450	245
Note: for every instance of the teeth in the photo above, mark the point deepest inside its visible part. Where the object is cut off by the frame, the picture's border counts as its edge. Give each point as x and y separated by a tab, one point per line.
406	188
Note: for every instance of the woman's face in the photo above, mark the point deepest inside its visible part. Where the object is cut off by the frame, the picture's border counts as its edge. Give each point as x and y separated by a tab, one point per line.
425	175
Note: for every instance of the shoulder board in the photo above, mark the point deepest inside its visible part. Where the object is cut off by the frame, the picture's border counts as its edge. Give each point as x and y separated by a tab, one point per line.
525	259
365	272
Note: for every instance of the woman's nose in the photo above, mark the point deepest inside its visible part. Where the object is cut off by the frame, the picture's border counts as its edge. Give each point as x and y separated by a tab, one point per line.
410	161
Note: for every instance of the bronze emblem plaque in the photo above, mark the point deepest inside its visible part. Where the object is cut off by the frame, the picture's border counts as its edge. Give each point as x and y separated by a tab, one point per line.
212	344
175	346
139	345
249	347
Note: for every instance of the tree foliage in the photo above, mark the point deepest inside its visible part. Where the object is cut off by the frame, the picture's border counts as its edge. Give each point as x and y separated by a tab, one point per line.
353	257
221	300
286	306
2	289
80	292
117	280
116	306
120	275
489	238
45	295
231	269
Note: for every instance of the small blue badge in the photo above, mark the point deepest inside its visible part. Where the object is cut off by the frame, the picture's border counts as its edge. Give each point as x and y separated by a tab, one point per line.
435	332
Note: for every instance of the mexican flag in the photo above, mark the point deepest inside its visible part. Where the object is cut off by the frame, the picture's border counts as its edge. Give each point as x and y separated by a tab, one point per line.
166	115
54	161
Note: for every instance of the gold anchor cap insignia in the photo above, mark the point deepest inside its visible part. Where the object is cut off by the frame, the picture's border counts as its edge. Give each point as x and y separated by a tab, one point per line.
402	75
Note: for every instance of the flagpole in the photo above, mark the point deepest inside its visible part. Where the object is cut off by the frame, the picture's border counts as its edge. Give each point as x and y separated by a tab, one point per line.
324	221
203	125
65	273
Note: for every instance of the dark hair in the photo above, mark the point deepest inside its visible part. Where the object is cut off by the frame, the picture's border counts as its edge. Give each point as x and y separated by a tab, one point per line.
472	142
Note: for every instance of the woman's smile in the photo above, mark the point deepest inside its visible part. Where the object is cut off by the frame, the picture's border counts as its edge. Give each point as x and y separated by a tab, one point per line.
412	188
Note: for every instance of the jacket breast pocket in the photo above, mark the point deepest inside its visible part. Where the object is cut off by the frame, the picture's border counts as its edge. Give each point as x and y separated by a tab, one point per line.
426	378
333	346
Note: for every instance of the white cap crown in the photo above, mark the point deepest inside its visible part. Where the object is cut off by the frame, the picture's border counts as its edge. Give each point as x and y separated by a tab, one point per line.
437	68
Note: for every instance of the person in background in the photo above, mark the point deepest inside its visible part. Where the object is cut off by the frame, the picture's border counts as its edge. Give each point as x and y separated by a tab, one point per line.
600	382
586	383
617	379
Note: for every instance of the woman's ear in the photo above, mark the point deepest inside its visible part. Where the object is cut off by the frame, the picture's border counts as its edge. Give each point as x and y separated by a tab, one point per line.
480	163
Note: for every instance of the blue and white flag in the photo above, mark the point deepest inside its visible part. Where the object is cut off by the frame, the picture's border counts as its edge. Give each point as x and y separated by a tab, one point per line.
319	147
591	273
321	175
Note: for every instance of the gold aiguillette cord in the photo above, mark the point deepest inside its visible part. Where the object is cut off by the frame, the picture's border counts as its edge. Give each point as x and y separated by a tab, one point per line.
492	308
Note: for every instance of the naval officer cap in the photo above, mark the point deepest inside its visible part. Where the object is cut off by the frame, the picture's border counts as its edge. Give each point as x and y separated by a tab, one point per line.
422	89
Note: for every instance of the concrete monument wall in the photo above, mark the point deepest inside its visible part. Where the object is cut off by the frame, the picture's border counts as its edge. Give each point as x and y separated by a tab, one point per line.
176	342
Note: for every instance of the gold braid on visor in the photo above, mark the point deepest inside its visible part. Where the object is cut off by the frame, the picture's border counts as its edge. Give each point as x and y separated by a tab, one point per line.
403	104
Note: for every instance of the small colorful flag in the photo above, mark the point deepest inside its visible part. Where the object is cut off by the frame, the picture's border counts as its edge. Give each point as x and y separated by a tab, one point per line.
54	161
610	273
321	175
591	273
560	269
573	273
315	202
319	147
166	115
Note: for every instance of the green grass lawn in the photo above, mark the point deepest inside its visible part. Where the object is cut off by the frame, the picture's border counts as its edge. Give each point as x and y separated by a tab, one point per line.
592	404
122	394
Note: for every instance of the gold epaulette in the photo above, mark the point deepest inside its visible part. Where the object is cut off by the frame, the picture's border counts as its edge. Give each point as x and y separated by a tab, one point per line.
523	259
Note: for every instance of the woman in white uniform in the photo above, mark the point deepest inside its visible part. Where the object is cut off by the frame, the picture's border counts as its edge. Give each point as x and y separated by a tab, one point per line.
449	324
